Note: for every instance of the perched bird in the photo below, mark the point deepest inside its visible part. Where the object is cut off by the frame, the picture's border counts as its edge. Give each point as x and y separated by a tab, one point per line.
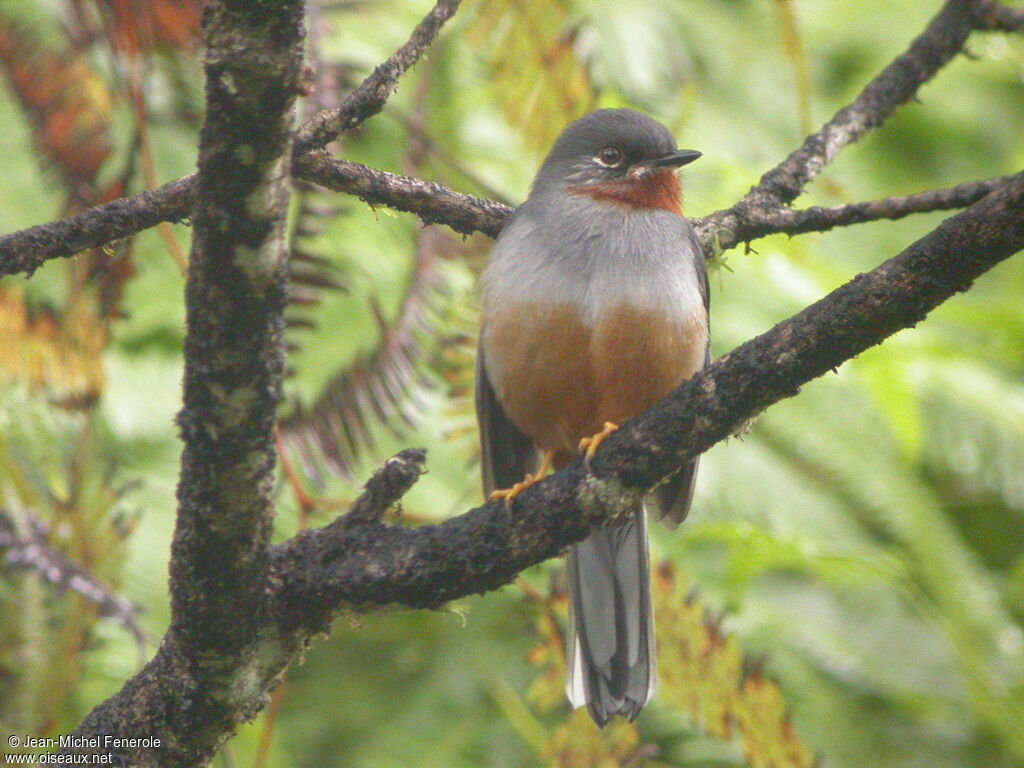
595	306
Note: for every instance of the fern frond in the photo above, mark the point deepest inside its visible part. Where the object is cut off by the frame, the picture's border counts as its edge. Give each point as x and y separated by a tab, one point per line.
704	675
540	83
67	102
381	387
27	547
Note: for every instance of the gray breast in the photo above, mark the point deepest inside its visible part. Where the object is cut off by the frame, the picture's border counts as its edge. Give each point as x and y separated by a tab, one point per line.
594	255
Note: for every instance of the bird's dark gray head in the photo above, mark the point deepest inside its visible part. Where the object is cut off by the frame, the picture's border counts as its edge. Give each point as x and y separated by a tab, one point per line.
610	145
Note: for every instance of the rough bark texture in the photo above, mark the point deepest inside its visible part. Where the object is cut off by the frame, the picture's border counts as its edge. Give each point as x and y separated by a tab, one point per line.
373	93
371	564
27	250
433	203
242	609
775	220
217	660
759	213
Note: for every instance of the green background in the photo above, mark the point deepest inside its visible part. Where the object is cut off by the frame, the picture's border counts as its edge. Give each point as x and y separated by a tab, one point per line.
866	537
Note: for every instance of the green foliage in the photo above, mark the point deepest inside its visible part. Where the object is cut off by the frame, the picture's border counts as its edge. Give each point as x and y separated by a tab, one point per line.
539	81
68	524
863	539
703	676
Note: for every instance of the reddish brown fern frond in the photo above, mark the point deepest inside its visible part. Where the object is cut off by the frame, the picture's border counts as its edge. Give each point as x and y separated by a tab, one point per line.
141	27
380	388
65	99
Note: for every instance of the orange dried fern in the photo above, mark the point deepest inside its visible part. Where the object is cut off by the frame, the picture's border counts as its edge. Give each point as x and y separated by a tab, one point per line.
704	674
540	83
67	102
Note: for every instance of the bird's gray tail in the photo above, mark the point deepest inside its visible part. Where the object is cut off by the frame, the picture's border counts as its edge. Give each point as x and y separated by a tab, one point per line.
610	649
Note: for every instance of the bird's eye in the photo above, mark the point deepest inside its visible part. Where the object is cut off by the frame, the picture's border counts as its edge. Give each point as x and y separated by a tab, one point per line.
609	156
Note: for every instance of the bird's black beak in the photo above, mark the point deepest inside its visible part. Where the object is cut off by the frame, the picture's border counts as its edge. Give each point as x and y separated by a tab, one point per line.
672	160
675	159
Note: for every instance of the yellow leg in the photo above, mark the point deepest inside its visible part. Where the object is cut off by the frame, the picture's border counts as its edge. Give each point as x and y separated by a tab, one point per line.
591	444
509	494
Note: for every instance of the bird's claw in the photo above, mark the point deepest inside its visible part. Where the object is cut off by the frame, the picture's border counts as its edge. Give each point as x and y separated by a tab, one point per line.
509	494
592	443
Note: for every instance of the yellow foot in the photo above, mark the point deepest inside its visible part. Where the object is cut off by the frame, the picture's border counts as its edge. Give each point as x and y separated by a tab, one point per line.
509	494
591	444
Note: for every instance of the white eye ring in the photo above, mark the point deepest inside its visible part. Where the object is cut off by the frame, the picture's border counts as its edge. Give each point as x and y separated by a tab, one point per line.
609	157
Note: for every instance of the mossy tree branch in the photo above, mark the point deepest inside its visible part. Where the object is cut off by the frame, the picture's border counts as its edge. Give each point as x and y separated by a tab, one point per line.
373	564
242	609
216	661
761	212
358	562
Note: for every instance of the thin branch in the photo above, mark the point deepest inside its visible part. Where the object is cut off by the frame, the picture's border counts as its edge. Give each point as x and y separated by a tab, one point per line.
436	204
433	203
32	551
27	250
995	17
372	565
371	96
898	83
942	39
817	219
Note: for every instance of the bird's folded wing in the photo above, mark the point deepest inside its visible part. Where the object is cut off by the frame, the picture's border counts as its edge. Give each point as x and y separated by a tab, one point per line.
507	455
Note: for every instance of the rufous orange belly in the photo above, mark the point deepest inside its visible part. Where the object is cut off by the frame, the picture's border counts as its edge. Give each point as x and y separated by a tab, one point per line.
560	379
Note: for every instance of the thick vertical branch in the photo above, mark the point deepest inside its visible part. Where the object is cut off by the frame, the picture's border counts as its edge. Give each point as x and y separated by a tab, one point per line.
213	666
235	300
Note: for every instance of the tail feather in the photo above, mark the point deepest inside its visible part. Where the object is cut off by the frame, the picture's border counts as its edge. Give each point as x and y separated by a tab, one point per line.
611	663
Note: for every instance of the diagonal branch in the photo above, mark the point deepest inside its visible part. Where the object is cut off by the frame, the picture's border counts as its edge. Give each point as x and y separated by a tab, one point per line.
27	250
359	562
941	40
899	82
279	598
31	550
993	16
371	564
372	94
816	219
432	203
243	610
